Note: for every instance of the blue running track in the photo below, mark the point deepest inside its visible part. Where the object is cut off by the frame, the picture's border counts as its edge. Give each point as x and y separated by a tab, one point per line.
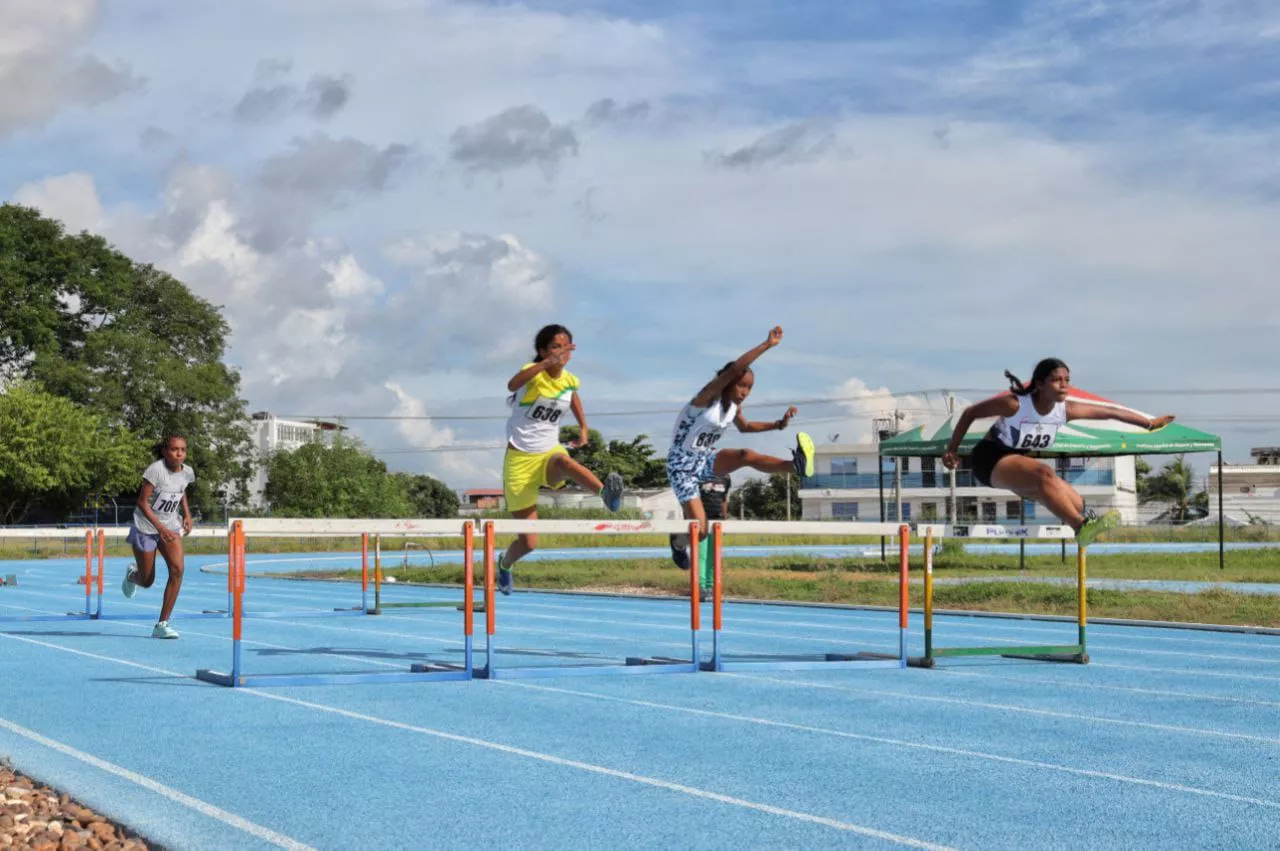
1169	738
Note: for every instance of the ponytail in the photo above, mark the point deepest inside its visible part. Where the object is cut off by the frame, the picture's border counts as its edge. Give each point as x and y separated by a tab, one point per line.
1043	370
1016	387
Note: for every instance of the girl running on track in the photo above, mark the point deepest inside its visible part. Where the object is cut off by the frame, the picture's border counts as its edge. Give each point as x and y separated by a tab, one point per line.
157	526
693	457
1029	417
542	392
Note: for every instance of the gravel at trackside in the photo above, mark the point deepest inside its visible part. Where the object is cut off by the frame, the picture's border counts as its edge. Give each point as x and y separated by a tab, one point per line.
36	817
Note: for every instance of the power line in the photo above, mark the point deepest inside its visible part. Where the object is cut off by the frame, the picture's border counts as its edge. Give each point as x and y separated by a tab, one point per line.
827	400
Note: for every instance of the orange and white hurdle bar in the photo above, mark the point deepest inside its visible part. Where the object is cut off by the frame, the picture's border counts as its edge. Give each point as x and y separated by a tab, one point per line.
633	665
94	578
862	659
241	529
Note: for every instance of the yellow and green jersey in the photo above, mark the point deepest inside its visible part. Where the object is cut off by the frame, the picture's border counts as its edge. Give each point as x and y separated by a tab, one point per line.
538	409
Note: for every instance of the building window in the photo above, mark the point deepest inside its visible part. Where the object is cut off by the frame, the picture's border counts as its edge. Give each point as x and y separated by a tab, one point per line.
891	512
988	512
1029	509
1013	509
844	510
294	434
929	511
842	465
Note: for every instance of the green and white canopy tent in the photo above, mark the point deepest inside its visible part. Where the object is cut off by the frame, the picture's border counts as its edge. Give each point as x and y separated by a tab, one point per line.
1074	440
1077	439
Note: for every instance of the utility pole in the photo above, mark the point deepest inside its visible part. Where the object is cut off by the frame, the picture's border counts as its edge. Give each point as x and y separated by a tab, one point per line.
954	512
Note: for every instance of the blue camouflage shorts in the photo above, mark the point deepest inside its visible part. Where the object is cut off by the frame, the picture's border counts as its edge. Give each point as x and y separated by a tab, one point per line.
687	471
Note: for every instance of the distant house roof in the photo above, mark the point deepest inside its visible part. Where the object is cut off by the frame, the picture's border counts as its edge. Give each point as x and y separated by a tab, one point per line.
483	492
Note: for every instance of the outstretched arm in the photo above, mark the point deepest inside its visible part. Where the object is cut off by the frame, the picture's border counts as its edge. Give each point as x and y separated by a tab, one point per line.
717	385
1087	411
1003	405
748	427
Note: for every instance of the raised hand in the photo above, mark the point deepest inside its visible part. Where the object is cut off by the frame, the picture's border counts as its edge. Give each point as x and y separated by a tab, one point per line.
775	336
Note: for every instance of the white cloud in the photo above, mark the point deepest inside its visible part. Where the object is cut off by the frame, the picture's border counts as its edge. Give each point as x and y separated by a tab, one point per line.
41	69
70	198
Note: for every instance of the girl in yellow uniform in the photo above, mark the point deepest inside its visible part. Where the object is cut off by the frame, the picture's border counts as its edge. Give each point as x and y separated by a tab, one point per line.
542	392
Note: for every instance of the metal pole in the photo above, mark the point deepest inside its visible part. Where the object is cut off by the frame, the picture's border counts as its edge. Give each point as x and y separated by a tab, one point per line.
1022	542
880	478
955	511
897	487
788	496
1222	537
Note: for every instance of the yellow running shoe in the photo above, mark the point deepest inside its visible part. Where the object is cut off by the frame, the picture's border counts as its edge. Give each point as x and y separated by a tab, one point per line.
803	456
1095	526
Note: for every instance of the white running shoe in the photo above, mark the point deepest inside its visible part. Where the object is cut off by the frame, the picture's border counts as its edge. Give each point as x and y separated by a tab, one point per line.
128	587
163	630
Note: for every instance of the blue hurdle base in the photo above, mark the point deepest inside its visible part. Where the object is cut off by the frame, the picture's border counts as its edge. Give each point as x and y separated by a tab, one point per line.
632	668
828	661
434	674
69	616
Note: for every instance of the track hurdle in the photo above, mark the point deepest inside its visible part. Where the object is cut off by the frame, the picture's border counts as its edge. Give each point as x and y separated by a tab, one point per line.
431	672
90	579
1077	652
633	665
94	577
720	661
379	578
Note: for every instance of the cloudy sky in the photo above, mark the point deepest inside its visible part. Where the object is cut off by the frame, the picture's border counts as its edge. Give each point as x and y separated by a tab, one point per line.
388	197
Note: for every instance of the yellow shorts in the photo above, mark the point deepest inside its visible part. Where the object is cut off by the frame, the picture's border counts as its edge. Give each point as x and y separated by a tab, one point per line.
523	473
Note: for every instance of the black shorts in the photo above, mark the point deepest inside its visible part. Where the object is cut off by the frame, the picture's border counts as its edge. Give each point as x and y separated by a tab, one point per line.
986	454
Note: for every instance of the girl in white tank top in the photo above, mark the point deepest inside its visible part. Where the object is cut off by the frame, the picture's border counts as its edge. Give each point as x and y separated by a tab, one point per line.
694	456
1028	420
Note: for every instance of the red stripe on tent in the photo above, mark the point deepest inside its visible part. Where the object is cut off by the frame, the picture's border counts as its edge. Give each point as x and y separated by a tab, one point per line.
1101	401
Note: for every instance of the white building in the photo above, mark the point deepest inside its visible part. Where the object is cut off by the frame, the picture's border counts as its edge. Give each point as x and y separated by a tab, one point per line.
272	434
845	486
1250	492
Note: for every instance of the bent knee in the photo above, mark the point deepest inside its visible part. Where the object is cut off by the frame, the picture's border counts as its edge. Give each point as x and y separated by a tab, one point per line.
530	541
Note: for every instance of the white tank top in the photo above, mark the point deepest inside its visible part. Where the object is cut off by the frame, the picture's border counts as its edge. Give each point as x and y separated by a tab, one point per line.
699	429
1029	430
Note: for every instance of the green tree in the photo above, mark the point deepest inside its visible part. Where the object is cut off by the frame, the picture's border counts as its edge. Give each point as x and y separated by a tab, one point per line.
56	455
632	459
764	499
125	341
429	497
1142	470
1174	484
340	479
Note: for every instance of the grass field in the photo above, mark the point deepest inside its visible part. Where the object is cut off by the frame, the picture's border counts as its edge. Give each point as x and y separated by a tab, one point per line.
872	583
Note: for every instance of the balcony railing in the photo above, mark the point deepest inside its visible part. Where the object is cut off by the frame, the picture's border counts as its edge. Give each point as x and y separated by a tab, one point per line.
964	479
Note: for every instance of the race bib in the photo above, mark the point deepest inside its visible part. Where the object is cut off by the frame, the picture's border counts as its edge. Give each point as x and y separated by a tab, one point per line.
1036	436
545	410
166	503
706	441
